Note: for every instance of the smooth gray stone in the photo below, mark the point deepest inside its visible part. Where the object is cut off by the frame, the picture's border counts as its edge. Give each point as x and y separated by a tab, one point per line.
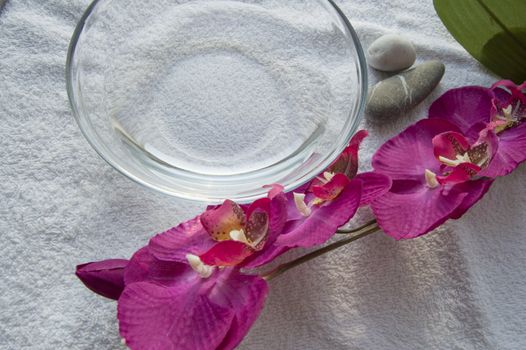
400	93
391	53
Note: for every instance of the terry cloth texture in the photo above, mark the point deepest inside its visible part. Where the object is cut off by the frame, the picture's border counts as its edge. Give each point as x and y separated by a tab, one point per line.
461	287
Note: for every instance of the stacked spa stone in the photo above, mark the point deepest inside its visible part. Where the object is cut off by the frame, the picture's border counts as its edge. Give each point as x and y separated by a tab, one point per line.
403	91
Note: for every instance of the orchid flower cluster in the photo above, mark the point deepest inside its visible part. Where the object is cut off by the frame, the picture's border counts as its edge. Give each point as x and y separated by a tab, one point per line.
195	287
441	166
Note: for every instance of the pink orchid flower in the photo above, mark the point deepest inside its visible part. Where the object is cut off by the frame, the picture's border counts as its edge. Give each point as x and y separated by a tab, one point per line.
228	235
167	304
331	200
185	289
435	173
502	108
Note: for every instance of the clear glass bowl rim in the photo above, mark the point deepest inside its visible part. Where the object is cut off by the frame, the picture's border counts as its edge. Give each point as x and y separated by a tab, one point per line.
92	137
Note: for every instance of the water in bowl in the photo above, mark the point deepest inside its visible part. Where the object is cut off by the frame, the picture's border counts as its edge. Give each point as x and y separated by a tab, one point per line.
228	87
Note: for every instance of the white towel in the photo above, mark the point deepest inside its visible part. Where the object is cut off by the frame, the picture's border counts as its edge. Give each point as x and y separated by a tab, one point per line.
462	287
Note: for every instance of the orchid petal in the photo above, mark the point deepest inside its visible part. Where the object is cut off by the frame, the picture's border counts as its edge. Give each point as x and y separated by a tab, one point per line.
461	173
484	150
278	216
347	162
412	214
331	189
464	107
510	85
513	91
325	220
275	189
358	138
410	153
143	266
476	190
250	293
152	316
262	204
226	253
195	313
220	221
292	210
510	153
257	228
105	277
373	185
174	244
502	91
449	145
257	225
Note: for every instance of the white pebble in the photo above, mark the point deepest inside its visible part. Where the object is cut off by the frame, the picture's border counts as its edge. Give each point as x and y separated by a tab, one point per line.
391	53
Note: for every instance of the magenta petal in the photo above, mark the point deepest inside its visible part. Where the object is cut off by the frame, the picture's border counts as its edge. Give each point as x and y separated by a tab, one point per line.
464	107
510	85
152	316
250	293
105	278
510	153
196	314
275	189
347	162
373	185
220	221
292	211
262	204
174	244
325	220
331	189
486	146
358	138
508	88
461	173
257	228
278	216
138	268
476	190
503	96
411	151
143	266
226	253
409	215
257	225
449	144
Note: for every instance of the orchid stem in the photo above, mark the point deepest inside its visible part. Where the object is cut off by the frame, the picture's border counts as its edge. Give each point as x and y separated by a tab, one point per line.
362	232
347	231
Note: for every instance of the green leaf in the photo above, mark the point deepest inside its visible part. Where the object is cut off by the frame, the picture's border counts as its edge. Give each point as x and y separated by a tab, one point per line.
492	31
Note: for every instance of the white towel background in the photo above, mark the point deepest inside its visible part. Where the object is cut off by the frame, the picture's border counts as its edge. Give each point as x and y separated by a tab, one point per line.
463	287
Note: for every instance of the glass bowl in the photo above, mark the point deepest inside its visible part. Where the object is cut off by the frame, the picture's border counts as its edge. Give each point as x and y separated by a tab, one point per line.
208	100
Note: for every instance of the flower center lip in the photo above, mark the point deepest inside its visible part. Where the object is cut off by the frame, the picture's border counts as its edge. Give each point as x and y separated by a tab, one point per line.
460	158
198	266
431	179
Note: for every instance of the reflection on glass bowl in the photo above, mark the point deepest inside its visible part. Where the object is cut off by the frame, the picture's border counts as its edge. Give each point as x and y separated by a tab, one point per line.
207	99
